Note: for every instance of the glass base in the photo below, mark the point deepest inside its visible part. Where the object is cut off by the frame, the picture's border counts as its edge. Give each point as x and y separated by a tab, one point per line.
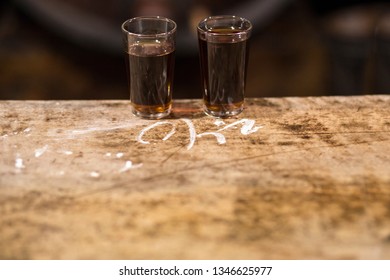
152	112
152	116
223	113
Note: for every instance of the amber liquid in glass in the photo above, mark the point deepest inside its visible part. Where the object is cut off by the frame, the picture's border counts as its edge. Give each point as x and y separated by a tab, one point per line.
223	72
150	70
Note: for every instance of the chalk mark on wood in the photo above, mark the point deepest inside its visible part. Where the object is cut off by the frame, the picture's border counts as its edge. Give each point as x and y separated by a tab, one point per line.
248	127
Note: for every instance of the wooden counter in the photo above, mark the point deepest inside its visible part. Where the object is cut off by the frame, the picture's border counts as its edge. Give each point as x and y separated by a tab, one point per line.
290	178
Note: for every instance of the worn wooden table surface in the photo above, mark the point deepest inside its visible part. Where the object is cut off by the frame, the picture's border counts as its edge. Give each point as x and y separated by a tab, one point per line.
290	178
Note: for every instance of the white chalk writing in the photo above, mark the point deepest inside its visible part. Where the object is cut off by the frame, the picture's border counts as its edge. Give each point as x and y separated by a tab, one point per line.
41	151
95	174
19	163
247	127
129	165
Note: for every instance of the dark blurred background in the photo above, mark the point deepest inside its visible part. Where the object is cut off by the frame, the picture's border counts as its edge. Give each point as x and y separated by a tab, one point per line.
72	49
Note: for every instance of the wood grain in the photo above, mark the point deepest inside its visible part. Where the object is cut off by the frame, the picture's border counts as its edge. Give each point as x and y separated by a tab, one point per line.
310	179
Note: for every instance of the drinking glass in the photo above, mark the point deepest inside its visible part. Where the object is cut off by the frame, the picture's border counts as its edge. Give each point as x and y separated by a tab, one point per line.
224	50
149	44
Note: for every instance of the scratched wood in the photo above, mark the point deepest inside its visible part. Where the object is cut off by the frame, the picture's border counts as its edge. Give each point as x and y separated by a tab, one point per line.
289	178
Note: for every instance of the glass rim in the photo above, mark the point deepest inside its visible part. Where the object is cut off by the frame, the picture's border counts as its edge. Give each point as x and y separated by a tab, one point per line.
245	31
158	18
